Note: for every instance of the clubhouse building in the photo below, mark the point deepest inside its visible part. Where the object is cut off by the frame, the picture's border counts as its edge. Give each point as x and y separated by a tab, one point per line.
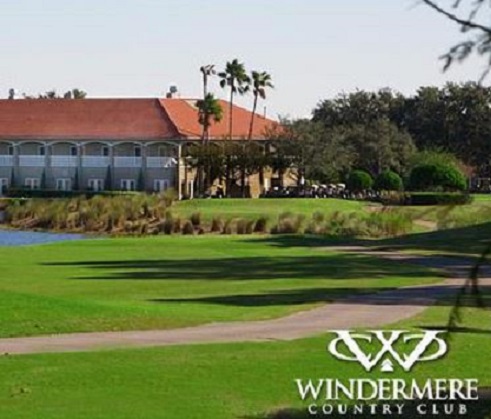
110	144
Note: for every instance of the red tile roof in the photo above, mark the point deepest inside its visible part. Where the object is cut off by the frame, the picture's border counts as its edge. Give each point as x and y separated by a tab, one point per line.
117	119
184	115
84	119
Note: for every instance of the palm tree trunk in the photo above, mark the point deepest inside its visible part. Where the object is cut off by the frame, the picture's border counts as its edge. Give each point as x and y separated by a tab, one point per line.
231	113
249	138
243	171
230	134
251	127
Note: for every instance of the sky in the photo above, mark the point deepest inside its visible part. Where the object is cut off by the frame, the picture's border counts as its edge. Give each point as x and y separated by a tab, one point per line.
314	49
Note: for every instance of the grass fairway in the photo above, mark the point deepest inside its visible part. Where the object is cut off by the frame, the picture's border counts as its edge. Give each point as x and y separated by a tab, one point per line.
271	208
168	282
210	381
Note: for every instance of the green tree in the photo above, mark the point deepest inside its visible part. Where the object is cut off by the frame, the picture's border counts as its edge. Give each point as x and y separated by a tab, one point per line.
235	78
53	94
308	150
260	82
377	146
361	108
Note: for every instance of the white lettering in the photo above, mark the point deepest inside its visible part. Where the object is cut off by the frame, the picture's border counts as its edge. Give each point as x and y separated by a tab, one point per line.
309	389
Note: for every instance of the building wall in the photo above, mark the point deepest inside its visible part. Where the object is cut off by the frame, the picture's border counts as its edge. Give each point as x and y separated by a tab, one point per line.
47	172
144	178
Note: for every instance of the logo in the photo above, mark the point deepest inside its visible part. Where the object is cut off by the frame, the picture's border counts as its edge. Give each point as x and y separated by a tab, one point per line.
406	357
387	396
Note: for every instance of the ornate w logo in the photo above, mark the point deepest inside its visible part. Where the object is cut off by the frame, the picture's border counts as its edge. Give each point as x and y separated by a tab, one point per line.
388	339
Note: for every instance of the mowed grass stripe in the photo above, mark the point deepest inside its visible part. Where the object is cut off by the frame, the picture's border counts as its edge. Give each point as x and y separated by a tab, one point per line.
167	282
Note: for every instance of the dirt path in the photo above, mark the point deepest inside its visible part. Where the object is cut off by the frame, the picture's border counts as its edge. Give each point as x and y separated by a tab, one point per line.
360	311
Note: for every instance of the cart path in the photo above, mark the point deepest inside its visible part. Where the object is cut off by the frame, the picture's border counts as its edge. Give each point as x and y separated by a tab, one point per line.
371	310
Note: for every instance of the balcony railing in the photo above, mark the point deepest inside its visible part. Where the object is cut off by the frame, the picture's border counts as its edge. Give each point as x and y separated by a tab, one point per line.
87	161
32	161
127	162
96	161
64	161
6	161
160	162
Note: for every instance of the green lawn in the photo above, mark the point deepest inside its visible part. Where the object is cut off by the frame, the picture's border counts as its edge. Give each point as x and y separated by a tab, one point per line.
210	381
168	282
255	208
471	240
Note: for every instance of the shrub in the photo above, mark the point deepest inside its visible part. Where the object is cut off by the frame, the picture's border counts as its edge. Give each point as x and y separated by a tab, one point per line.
261	225
388	181
168	226
437	178
176	228
358	181
188	228
439	199
318	217
288	224
216	225
169	196
196	219
227	227
431	157
241	226
250	227
394	198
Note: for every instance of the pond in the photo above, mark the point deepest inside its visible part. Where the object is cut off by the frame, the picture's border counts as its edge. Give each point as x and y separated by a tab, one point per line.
23	238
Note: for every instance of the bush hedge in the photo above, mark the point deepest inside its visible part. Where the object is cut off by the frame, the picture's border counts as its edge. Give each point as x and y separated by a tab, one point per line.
388	181
439	199
437	178
358	181
424	198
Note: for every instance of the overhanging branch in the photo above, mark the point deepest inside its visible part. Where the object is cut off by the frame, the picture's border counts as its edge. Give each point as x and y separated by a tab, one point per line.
464	22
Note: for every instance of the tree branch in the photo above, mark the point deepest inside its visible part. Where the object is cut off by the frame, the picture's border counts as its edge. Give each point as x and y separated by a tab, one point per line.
464	22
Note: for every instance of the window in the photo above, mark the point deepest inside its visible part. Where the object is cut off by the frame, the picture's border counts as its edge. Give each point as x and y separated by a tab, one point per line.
160	185
138	151
105	151
128	184
4	185
96	185
64	184
11	150
32	183
42	150
73	151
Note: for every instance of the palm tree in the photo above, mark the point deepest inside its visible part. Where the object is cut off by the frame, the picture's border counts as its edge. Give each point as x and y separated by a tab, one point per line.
207	71
235	77
209	109
260	82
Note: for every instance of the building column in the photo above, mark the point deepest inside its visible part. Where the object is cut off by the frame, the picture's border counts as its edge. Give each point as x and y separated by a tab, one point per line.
179	183
79	178
144	166
15	176
47	165
111	165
